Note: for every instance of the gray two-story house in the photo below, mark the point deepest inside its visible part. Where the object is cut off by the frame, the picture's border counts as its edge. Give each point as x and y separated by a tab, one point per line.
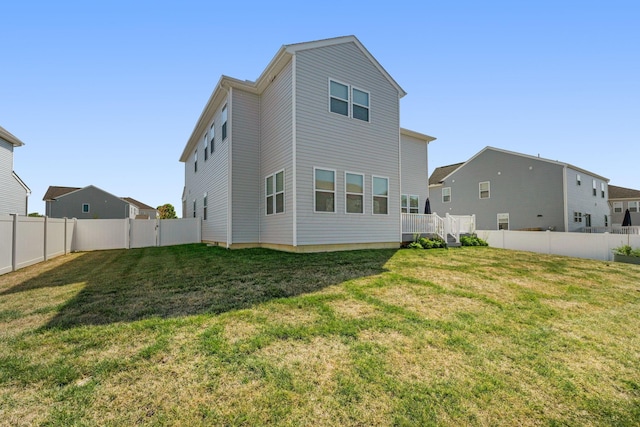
621	199
14	193
308	157
514	191
91	202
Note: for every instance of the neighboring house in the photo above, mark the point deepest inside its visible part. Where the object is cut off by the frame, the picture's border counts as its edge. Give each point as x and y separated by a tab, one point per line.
513	191
144	211
309	157
621	199
14	193
90	202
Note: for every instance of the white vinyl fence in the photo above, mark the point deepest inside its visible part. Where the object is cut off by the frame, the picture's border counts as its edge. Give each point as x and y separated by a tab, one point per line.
26	240
579	245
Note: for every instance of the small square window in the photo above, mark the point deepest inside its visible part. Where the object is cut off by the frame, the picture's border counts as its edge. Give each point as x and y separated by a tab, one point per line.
85	208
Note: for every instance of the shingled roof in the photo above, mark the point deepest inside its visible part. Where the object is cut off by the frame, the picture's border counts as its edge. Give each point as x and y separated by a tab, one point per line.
616	192
54	192
140	205
441	172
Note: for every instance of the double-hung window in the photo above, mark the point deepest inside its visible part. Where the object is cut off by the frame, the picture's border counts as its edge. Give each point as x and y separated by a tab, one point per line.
578	180
194	208
354	192
324	187
380	187
634	206
602	191
617	207
224	122
195	161
212	137
85	208
409	204
503	221
485	189
595	188
446	194
206	146
204	207
348	101
274	192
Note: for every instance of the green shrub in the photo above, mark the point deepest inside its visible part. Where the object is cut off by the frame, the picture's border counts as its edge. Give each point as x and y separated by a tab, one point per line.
627	250
472	240
414	245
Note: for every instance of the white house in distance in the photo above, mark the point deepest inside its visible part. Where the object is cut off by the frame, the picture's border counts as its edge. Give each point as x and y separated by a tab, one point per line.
14	193
309	157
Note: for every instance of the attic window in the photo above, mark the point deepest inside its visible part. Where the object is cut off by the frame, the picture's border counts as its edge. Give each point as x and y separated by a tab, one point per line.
85	208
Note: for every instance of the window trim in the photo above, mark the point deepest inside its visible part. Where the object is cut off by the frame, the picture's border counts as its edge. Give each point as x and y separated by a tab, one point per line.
407	198
274	193
224	116
204	207
488	190
373	195
368	107
443	200
88	205
347	193
315	190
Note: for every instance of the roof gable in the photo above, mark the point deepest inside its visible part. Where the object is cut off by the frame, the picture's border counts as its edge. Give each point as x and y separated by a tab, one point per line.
53	192
140	205
440	173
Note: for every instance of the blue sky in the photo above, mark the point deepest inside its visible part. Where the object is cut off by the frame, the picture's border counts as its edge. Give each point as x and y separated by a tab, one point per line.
107	93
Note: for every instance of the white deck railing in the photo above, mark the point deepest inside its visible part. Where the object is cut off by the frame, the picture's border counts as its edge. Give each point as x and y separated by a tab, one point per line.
453	225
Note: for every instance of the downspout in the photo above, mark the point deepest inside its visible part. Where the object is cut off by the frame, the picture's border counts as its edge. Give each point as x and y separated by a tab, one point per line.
566	198
294	171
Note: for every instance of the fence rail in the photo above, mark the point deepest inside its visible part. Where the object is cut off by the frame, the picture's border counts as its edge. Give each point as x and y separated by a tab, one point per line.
26	241
613	230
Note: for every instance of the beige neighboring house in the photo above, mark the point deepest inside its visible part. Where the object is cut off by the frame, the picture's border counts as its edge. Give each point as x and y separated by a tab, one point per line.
14	193
621	199
144	211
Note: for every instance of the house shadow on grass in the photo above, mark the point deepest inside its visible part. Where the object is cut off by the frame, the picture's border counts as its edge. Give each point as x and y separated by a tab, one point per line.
175	281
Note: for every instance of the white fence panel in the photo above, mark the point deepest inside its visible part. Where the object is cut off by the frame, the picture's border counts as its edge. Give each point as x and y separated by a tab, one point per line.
579	245
29	241
56	228
179	231
98	234
6	243
143	233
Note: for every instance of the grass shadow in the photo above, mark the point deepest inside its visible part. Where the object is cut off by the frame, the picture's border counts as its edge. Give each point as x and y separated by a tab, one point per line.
166	282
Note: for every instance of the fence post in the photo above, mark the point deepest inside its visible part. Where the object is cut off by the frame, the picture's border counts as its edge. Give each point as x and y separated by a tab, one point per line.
14	243
45	237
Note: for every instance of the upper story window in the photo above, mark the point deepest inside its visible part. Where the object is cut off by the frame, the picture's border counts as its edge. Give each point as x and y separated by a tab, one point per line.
348	101
206	146
446	194
204	207
602	191
595	188
485	189
274	191
380	187
409	204
212	137
85	208
195	161
578	180
634	206
354	192
224	122
324	187
617	207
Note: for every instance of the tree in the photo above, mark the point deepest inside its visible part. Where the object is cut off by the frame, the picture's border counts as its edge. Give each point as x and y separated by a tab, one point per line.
35	214
167	211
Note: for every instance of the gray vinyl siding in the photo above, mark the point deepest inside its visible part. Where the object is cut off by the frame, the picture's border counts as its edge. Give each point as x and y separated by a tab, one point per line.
580	198
245	157
102	205
276	153
329	140
212	178
618	218
415	176
13	196
529	190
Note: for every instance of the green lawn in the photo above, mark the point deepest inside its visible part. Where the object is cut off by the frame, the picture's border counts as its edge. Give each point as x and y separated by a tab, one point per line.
197	335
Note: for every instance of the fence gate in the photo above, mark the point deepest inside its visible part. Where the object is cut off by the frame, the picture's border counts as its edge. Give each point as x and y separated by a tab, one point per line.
143	233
